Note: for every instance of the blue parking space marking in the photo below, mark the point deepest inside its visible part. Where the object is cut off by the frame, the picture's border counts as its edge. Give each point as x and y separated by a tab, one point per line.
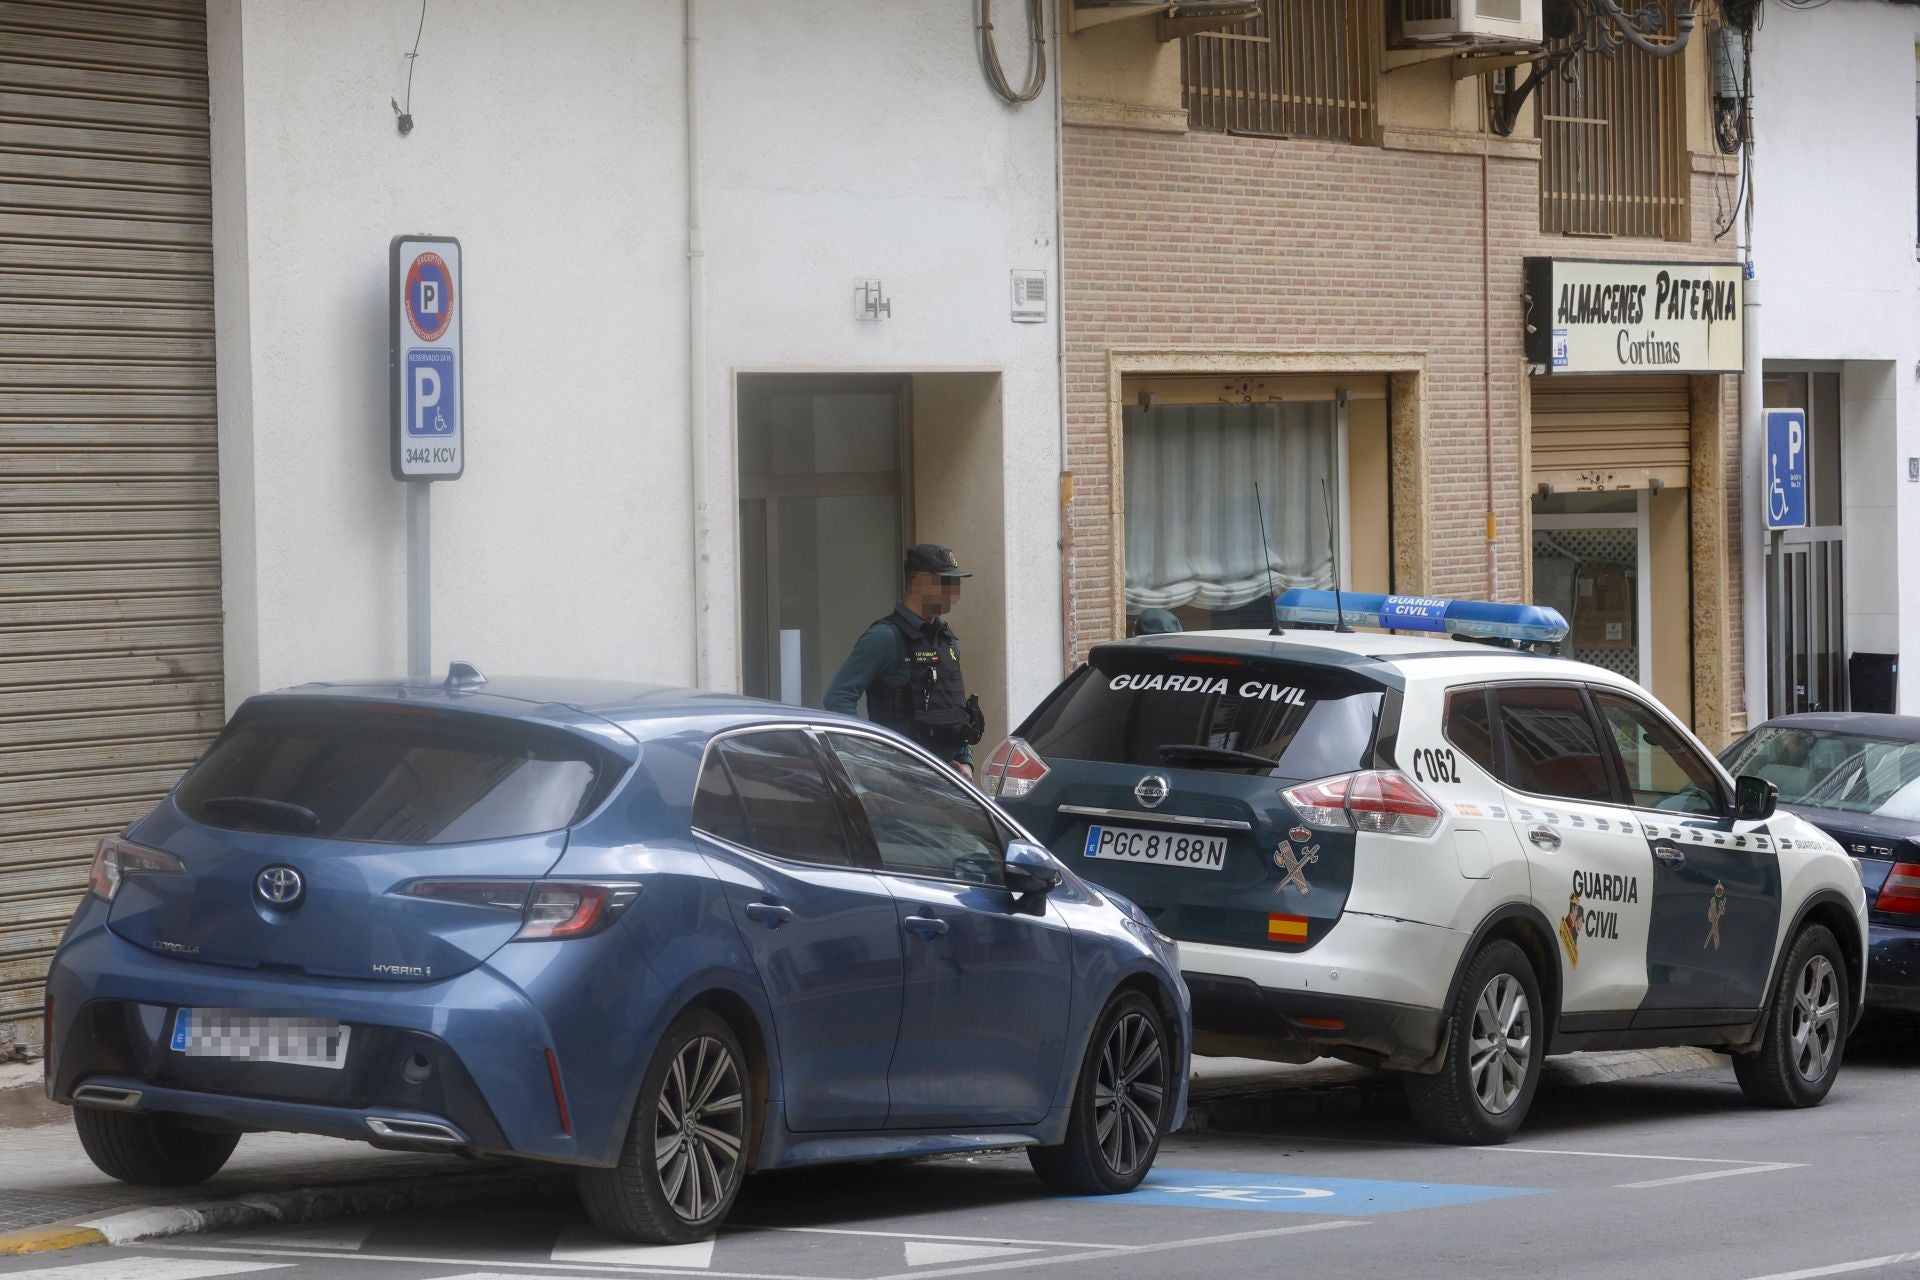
1297	1193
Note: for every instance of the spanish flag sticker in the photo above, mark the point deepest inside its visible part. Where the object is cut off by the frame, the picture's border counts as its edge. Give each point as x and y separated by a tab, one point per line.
1286	928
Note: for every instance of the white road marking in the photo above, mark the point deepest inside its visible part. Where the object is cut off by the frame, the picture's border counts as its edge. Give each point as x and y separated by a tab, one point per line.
574	1268
1612	1155
1842	1268
928	1235
925	1253
584	1244
147	1269
1707	1176
346	1237
1096	1254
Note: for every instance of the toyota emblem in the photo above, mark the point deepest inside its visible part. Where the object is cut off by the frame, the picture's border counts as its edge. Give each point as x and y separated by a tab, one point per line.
280	887
1151	791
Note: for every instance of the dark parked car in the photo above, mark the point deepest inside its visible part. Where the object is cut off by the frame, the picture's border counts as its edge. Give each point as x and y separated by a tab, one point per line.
1857	777
666	937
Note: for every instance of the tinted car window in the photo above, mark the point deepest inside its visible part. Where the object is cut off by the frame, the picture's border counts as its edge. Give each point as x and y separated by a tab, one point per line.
716	806
1661	770
1470	728
788	807
1552	749
1846	771
389	773
922	823
1140	706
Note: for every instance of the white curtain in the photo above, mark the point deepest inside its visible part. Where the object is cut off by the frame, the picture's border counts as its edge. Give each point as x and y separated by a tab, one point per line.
1192	531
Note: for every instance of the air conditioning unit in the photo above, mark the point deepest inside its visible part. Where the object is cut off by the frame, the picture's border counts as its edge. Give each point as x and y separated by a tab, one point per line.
1507	23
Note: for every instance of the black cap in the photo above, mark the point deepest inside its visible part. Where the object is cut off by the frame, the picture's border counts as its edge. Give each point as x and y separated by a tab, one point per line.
931	557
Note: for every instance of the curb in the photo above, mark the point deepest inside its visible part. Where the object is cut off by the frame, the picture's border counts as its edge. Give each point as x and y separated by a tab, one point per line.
289	1208
1340	1091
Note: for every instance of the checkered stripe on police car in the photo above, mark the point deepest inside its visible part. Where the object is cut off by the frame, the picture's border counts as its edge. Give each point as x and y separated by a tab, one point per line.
1702	836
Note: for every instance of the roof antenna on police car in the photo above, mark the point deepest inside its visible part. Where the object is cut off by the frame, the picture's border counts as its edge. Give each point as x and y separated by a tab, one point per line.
1333	546
1266	555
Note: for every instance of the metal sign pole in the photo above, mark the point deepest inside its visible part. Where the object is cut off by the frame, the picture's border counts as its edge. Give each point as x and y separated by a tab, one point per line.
419	579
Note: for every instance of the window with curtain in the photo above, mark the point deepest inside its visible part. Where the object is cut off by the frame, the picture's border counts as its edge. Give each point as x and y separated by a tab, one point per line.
1193	530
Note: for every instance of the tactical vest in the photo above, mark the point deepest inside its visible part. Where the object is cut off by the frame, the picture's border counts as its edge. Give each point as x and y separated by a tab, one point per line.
932	708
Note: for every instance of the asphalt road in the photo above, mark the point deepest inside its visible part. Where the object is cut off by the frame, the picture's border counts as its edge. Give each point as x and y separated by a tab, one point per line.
1673	1176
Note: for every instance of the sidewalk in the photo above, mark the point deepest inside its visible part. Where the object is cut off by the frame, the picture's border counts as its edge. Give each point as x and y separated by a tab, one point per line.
51	1196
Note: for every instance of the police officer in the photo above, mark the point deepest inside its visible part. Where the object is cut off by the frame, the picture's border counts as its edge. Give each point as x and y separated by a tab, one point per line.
908	665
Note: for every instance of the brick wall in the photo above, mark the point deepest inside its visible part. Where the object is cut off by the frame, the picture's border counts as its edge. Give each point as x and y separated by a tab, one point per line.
1205	241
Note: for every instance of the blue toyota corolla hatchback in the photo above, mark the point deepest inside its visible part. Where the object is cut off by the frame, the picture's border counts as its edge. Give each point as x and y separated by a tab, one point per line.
667	937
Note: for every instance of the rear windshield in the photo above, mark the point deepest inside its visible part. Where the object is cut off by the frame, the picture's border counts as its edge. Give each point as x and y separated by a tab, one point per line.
392	774
1140	707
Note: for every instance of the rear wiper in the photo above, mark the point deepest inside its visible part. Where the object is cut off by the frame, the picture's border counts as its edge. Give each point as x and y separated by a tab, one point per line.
1217	755
280	813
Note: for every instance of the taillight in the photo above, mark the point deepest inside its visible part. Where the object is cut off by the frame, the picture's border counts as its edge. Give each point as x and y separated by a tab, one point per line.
1382	801
1901	892
1014	769
115	860
548	908
46	1040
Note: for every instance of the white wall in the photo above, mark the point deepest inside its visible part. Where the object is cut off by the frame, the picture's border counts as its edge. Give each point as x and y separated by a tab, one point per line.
1835	236
840	139
843	139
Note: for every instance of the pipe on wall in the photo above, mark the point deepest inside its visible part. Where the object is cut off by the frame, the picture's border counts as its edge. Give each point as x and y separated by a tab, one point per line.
696	363
1753	452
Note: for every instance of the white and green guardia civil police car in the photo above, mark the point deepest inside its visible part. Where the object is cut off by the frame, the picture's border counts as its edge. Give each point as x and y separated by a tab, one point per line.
1441	856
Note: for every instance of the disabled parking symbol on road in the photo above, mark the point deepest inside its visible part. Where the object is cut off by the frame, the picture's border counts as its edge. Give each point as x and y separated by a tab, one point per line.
1227	1189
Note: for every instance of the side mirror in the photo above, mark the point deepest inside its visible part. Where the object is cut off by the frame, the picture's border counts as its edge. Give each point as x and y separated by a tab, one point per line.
1754	799
1031	869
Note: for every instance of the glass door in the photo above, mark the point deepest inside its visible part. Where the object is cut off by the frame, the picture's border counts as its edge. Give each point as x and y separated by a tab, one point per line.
1591	562
823	514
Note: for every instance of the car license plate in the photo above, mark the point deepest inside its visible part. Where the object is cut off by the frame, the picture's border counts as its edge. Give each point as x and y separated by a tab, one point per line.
1168	848
251	1037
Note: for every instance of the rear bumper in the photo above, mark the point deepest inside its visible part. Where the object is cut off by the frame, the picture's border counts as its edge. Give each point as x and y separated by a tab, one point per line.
1373	991
467	1054
1893	968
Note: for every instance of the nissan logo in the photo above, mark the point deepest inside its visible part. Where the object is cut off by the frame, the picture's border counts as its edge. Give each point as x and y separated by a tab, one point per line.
280	887
1151	791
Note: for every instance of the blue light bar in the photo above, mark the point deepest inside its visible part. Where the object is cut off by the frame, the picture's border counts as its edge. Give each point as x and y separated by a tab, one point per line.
1481	619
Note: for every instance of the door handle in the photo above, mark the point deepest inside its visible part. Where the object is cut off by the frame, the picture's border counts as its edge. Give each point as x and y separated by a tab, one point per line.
928	927
1668	854
1544	838
771	914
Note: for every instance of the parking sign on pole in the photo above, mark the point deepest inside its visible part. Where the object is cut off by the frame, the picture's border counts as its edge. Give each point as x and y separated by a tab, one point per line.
425	370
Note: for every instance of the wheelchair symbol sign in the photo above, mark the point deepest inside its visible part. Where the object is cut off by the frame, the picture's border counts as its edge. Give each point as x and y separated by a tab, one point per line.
433	393
1786	478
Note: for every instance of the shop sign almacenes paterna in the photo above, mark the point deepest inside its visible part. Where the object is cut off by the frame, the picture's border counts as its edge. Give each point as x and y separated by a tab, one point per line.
1585	316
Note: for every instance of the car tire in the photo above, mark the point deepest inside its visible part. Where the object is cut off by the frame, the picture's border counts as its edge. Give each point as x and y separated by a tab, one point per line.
1495	1031
1805	1029
150	1149
696	1107
1121	1104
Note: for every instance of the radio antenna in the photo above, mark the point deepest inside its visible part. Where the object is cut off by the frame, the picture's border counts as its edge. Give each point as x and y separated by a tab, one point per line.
1333	545
1266	556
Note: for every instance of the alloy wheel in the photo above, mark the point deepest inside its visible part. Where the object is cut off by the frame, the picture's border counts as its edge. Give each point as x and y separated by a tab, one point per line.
1813	1027
699	1129
1129	1093
1501	1044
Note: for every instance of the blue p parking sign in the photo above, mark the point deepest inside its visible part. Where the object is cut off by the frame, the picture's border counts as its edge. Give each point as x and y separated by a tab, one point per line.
433	393
1786	478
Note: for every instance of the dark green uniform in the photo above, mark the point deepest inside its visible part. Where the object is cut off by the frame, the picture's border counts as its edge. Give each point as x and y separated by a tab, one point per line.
883	666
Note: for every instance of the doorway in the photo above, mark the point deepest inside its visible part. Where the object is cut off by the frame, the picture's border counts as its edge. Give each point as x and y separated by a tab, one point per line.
1806	568
1592	556
824	510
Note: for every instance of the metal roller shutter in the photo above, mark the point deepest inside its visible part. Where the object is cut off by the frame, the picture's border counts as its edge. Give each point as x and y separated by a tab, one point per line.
109	517
1611	433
